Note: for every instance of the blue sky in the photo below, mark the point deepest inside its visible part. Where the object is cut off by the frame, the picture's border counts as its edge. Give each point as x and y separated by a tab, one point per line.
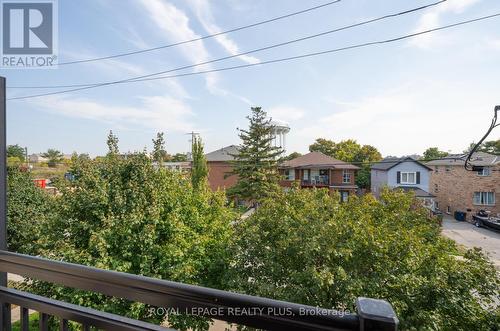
435	90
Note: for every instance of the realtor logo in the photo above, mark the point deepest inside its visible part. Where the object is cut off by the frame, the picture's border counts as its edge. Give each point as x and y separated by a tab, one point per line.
29	34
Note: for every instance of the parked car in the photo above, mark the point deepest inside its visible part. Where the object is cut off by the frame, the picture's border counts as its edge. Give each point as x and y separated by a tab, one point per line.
483	219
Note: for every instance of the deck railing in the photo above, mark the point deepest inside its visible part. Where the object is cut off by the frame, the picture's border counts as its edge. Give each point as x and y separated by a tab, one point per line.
268	314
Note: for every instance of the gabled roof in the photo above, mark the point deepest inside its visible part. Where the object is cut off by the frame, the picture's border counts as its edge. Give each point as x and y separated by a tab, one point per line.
223	154
389	163
317	159
419	193
478	159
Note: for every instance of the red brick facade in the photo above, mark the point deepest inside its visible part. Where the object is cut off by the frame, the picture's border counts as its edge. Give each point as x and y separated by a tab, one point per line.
454	188
217	172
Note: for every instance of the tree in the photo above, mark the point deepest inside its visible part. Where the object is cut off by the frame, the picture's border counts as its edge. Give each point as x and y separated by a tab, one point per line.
292	156
159	153
16	151
179	157
112	143
256	164
492	147
433	153
54	156
125	214
199	169
324	146
29	210
305	246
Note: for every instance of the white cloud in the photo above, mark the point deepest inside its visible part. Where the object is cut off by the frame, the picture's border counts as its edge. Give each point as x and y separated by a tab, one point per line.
174	23
156	112
432	19
204	14
286	113
406	120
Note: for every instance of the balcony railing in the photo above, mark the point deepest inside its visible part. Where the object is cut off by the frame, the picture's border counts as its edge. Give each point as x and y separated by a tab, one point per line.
371	314
317	180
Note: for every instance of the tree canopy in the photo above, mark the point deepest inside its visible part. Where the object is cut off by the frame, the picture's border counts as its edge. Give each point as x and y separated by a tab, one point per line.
179	157
199	169
54	157
16	151
305	246
433	153
256	163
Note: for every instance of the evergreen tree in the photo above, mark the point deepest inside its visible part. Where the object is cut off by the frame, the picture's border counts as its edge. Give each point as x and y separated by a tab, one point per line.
199	171
112	143
256	164
159	153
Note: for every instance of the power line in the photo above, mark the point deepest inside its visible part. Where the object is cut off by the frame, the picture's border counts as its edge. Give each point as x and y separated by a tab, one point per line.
201	38
367	44
139	78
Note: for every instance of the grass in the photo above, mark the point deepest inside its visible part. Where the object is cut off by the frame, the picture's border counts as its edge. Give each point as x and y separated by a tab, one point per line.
33	323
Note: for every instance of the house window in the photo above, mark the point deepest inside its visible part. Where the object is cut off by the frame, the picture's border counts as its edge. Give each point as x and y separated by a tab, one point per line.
289	174
346	176
408	178
486	171
484	198
448	209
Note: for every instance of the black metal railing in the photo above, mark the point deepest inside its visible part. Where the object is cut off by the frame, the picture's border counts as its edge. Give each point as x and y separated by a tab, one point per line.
222	305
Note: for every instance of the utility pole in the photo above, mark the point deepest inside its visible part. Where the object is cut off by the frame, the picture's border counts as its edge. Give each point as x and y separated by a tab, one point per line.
3	175
194	136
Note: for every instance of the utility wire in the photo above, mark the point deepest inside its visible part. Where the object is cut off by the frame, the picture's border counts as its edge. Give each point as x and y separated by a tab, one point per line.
367	44
139	78
468	165
201	38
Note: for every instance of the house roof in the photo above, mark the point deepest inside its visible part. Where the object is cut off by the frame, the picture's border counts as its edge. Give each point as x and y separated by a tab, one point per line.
389	163
478	159
419	193
223	154
317	159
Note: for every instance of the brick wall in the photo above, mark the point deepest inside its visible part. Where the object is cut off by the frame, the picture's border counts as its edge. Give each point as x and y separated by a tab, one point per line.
453	186
217	170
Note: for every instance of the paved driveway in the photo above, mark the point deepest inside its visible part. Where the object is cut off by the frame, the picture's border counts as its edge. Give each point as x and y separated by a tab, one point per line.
468	235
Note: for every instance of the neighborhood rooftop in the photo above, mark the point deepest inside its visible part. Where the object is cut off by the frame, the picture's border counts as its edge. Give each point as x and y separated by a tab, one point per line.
388	163
478	159
223	154
317	159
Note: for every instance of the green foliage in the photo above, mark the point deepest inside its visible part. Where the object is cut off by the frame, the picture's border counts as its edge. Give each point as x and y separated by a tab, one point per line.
13	161
350	151
16	151
179	157
159	153
125	214
256	164
199	171
29	210
292	156
54	156
304	246
492	147
112	143
433	153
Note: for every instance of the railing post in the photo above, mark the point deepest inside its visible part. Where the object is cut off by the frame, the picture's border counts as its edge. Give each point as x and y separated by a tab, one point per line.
376	315
3	175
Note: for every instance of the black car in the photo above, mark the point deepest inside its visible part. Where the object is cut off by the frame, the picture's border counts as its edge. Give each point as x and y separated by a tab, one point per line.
482	219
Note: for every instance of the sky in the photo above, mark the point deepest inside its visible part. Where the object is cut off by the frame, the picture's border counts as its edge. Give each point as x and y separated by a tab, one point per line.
435	90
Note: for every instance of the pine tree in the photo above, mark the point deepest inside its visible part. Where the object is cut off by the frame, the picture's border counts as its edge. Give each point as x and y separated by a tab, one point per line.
159	153
112	144
256	164
199	171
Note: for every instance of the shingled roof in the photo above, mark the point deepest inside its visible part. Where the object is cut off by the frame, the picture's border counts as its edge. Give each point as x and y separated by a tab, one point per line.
388	163
223	154
478	159
317	160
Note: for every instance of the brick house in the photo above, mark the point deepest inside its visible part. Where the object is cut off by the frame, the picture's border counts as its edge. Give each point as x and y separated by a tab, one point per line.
219	165
316	169
457	189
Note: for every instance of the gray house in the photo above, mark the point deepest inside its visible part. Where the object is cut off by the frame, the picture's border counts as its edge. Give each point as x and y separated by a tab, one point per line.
405	173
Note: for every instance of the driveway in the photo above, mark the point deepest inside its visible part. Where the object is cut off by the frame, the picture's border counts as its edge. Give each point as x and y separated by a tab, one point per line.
468	235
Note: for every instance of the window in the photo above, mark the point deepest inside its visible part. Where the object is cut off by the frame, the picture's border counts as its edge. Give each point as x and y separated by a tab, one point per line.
448	209
486	171
289	174
484	198
408	178
436	168
346	176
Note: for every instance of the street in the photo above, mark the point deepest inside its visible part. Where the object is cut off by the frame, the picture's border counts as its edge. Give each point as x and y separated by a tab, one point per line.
468	235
